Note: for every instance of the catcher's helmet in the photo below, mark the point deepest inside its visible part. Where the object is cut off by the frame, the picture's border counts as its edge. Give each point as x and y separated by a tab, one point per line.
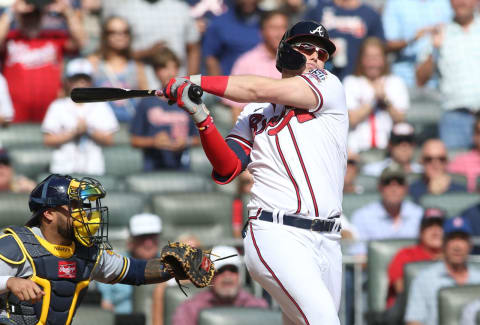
82	196
308	31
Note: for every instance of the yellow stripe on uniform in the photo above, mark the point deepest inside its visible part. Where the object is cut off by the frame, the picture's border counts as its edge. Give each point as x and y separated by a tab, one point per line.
124	269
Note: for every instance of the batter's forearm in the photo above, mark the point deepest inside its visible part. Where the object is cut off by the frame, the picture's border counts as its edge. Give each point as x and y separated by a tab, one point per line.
154	272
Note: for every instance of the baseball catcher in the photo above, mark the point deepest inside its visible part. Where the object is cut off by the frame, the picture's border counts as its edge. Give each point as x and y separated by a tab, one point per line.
47	265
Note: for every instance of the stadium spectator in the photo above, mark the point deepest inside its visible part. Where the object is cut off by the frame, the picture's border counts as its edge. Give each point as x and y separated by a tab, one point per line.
400	149
470	313
435	179
114	66
78	131
9	180
349	185
468	163
391	217
6	107
33	54
230	35
422	302
261	59
159	291
472	214
245	183
429	247
203	11
226	290
405	24
157	24
375	98
349	23
459	76
143	243
164	132
90	16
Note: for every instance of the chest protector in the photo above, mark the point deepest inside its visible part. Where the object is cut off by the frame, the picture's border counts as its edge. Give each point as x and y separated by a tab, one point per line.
63	279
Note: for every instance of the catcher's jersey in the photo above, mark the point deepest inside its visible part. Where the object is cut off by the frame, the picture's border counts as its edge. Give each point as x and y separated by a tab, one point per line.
298	157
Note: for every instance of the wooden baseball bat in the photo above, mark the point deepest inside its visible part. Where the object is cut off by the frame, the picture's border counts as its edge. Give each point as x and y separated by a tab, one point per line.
105	94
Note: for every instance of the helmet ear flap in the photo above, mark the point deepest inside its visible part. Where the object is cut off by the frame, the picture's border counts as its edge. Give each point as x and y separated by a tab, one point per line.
288	58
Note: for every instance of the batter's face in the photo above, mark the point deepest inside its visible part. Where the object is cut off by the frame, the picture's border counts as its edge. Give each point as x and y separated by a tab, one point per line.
313	59
226	282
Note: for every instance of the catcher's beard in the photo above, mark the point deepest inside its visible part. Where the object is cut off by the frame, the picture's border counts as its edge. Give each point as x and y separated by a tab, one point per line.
65	228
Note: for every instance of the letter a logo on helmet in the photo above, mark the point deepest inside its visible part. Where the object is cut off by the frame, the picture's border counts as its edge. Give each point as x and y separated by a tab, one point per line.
320	30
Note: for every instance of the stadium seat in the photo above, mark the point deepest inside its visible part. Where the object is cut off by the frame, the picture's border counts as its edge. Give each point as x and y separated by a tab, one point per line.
199	163
110	183
371	155
14	209
478	183
30	161
123	205
173	297
452	300
20	135
352	202
122	160
380	254
453	203
209	215
168	182
142	301
368	183
93	315
239	316
122	136
424	113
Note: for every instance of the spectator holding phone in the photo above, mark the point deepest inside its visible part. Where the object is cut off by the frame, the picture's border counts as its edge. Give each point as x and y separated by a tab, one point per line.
376	99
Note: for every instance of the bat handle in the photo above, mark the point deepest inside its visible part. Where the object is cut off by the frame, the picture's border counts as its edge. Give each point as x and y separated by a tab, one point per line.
195	94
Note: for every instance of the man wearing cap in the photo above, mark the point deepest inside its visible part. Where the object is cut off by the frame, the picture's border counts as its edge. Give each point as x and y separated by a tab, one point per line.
401	147
429	247
422	303
143	243
390	217
225	290
9	182
78	131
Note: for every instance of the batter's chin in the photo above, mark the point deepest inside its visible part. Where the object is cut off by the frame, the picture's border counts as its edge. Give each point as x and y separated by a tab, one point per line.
311	66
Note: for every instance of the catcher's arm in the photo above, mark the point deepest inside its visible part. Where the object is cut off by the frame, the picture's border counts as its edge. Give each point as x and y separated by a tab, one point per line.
155	272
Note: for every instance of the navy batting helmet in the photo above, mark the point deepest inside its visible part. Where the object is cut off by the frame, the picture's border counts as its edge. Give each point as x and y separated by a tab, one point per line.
309	31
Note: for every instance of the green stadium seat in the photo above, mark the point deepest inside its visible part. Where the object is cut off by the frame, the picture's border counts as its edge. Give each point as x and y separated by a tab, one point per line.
380	254
30	161
168	182
142	301
453	203
93	315
452	300
14	209
122	136
208	215
372	155
352	202
199	163
239	316
122	160
368	183
19	135
174	297
123	205
110	183
424	113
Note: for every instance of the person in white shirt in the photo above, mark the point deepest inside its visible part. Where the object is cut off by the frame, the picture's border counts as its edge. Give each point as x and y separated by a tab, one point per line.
78	131
376	99
6	108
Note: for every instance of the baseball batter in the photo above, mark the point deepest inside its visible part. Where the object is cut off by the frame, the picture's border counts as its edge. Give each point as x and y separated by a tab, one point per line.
46	266
292	139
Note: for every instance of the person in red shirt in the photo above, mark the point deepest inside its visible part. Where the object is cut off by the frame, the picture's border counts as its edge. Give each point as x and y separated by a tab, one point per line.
32	53
429	247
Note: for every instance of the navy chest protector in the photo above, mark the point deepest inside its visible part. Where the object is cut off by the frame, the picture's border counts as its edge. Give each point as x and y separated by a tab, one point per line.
64	280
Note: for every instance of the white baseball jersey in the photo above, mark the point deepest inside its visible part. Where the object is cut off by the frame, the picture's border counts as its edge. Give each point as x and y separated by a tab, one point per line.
298	157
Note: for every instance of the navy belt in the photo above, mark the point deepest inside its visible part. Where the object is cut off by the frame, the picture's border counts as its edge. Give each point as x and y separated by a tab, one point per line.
320	225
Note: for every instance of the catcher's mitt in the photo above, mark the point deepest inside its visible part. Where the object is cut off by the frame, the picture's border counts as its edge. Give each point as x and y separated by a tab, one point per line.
186	262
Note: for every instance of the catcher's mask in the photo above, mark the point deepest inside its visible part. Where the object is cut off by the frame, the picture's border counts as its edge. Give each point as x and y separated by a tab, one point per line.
83	198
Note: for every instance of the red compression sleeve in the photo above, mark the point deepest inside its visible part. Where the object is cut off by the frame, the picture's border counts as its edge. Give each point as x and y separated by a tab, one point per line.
224	161
216	85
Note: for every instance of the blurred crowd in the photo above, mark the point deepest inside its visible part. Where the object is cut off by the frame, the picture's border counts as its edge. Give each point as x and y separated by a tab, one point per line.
388	52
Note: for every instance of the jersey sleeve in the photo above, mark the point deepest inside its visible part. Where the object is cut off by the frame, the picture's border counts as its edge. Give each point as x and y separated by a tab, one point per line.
241	132
111	267
329	91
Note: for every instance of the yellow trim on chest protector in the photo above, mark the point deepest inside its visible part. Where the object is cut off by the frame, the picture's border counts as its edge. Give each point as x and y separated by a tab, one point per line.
59	251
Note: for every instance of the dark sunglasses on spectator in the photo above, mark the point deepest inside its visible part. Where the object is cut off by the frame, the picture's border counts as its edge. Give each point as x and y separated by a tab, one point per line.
429	159
231	268
388	181
352	162
118	32
308	49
